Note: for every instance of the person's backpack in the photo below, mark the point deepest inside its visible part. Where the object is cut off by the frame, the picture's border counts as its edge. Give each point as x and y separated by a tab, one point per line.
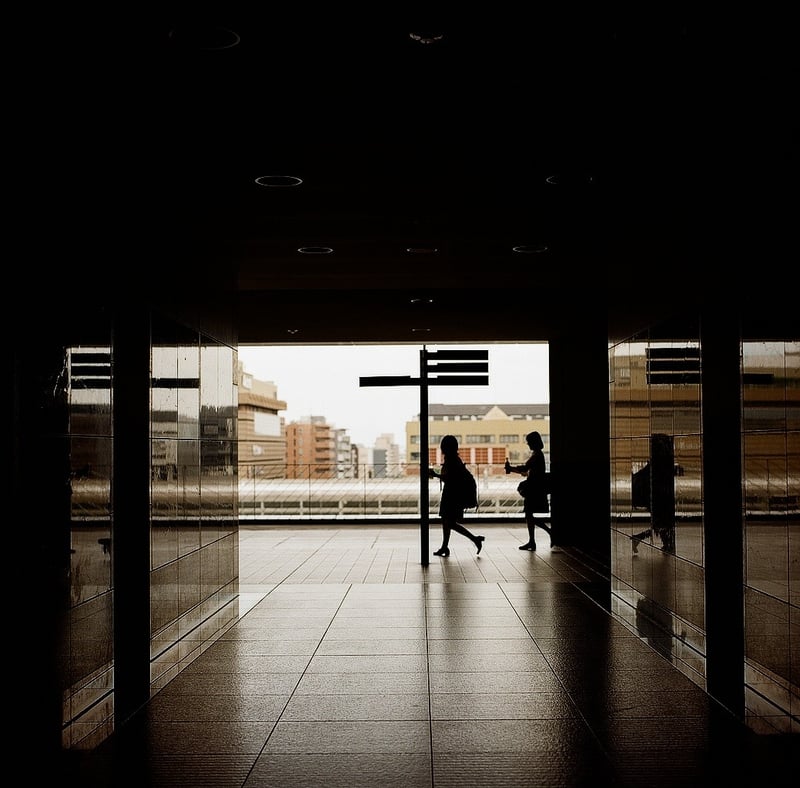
469	490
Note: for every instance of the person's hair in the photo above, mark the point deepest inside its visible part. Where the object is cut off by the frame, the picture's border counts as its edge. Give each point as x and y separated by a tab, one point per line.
449	444
534	440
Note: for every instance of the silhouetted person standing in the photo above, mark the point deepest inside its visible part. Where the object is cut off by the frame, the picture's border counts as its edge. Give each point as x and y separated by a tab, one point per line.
535	498
451	506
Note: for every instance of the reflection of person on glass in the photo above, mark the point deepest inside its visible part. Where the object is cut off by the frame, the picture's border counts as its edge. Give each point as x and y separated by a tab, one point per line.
451	507
653	488
535	499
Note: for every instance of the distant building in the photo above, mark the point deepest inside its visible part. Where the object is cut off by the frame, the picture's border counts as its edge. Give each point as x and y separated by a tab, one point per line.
344	454
262	437
362	461
386	457
486	434
310	449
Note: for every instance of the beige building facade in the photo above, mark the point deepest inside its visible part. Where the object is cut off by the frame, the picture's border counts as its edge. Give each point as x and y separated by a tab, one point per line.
487	434
261	431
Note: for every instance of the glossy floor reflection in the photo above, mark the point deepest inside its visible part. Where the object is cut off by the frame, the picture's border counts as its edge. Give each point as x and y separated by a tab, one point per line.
353	665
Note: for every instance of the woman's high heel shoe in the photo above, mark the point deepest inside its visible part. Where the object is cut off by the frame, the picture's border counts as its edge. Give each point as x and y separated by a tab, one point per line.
443	551
479	543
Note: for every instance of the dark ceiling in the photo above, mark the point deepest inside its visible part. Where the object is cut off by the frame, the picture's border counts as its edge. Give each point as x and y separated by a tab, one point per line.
634	160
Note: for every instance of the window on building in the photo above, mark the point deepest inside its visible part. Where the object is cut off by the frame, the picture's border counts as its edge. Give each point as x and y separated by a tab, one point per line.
481	456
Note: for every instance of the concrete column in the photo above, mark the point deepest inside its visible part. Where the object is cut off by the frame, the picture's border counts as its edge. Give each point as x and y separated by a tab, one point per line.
131	506
579	438
722	508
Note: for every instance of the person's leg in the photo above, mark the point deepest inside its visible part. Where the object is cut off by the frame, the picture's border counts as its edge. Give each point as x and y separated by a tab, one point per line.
531	543
444	549
464	531
636	538
548	528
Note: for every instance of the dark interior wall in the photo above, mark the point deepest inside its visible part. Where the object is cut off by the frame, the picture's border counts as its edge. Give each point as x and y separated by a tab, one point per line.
56	609
81	395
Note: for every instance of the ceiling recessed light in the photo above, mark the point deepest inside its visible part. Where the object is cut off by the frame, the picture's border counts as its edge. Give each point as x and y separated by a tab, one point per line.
570	179
315	250
278	180
427	37
531	248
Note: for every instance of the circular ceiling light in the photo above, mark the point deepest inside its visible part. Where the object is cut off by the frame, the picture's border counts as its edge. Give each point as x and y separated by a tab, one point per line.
315	250
278	180
427	37
570	179
531	248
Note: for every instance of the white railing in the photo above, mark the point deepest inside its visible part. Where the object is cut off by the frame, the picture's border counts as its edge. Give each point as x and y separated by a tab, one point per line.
366	497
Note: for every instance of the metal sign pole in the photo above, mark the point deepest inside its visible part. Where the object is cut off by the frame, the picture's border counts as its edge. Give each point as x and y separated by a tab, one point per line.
424	489
473	362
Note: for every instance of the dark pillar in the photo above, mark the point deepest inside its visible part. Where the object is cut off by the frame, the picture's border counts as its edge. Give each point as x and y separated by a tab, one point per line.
131	506
424	479
722	503
579	438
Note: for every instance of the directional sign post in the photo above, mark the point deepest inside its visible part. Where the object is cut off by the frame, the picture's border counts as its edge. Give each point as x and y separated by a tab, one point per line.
472	367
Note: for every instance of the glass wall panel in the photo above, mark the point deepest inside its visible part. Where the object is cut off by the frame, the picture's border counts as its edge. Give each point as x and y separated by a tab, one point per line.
689	498
189	393
77	409
193	490
771	481
90	497
657	515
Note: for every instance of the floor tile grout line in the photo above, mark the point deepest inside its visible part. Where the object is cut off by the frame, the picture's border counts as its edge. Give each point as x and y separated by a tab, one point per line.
297	684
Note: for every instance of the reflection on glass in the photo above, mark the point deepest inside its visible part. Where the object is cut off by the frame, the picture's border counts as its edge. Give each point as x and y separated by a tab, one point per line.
86	447
193	487
771	470
656	446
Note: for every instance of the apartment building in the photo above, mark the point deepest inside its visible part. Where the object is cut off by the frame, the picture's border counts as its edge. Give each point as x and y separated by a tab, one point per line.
310	449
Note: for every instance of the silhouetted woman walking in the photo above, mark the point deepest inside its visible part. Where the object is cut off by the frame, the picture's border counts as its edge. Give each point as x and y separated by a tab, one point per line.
535	498
451	506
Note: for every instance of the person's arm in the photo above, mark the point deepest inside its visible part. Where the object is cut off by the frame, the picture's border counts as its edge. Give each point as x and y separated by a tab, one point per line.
443	473
516	468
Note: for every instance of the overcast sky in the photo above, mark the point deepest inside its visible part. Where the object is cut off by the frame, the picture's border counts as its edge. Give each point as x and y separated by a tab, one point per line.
323	380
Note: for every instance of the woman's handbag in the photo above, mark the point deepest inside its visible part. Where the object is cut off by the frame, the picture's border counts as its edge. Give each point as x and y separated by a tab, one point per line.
542	485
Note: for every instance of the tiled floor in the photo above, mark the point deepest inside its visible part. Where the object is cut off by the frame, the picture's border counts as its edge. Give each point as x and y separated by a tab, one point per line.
354	665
